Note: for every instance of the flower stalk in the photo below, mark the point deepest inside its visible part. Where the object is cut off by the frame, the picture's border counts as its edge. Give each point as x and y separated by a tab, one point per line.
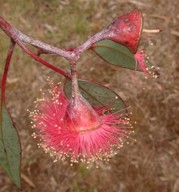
74	80
4	77
71	55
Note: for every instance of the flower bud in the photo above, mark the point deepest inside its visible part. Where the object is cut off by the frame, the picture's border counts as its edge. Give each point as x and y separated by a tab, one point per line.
126	30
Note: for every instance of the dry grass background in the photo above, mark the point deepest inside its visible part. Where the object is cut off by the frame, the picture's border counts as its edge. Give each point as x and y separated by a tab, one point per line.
149	165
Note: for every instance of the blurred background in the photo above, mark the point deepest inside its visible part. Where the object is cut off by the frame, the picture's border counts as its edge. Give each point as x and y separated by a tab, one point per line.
149	165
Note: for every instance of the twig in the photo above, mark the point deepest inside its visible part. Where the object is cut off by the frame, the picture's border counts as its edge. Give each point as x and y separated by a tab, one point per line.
151	30
27	180
174	32
4	78
139	3
37	58
15	34
72	55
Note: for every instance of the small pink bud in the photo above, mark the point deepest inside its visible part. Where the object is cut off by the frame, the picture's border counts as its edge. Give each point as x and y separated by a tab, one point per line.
126	30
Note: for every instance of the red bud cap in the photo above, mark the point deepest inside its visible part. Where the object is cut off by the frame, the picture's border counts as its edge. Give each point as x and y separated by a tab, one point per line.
80	116
126	30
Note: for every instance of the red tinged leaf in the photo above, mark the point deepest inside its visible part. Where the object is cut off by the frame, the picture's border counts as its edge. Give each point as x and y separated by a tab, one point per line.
9	147
10	152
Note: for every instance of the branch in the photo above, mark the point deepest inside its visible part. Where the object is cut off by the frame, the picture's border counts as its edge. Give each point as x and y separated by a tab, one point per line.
72	55
37	58
15	34
151	30
94	39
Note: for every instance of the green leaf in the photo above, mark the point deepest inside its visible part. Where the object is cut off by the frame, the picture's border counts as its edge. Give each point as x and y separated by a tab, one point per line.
9	147
97	95
115	54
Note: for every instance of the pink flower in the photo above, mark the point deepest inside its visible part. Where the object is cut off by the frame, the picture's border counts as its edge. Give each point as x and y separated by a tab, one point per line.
73	128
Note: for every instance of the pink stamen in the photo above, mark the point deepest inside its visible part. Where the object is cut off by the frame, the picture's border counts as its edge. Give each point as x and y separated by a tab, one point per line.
87	146
140	61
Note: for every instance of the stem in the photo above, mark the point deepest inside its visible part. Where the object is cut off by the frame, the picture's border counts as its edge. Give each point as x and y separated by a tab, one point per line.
75	88
15	34
4	78
72	55
37	58
94	39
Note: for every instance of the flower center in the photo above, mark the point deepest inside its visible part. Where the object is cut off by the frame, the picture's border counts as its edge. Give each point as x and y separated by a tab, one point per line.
80	116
